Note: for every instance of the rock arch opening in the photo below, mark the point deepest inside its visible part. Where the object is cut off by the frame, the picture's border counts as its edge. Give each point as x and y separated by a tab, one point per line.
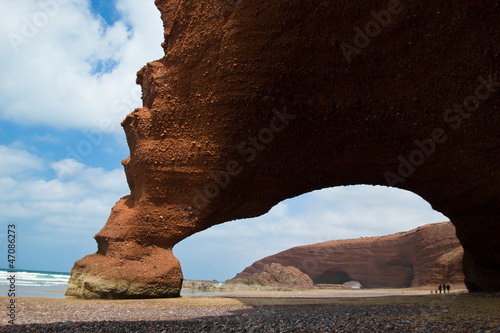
352	213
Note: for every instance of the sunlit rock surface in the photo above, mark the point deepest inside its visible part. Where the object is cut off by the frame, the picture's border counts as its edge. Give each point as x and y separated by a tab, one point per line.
426	256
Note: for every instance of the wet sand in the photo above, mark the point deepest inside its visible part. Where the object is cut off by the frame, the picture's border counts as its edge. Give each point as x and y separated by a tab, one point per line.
253	311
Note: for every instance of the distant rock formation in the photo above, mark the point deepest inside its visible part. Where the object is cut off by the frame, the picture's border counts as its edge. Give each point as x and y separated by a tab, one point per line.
273	275
428	255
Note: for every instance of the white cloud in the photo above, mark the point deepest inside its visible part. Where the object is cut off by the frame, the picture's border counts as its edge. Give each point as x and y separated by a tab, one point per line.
68	209
50	55
15	161
67	168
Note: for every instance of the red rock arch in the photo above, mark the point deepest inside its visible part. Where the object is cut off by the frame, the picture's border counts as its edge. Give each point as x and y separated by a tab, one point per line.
367	105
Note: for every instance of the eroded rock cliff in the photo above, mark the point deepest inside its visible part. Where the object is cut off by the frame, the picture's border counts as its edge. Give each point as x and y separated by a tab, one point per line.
274	275
429	255
264	100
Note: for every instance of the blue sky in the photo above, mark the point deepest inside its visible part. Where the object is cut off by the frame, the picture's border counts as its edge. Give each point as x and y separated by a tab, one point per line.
67	81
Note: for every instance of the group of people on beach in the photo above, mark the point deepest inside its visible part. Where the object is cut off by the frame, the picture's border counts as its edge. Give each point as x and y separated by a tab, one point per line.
443	288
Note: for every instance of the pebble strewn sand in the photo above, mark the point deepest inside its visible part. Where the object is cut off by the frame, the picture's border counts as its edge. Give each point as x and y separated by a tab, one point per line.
450	313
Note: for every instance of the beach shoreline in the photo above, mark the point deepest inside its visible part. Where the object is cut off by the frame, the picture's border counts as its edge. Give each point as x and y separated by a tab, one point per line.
310	310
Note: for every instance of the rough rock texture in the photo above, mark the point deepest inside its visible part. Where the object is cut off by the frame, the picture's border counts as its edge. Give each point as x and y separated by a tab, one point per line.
275	275
429	255
213	143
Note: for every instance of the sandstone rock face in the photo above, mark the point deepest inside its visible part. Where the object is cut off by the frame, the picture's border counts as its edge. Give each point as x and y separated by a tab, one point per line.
429	255
275	275
264	100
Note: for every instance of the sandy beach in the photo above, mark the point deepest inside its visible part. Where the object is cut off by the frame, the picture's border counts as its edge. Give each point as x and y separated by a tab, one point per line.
379	310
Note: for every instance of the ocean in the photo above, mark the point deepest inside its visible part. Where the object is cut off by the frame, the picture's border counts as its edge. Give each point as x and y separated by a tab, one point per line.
35	283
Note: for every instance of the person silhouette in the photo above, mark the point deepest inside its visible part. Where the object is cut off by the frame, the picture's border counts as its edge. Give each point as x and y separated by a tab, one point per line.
440	288
448	287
